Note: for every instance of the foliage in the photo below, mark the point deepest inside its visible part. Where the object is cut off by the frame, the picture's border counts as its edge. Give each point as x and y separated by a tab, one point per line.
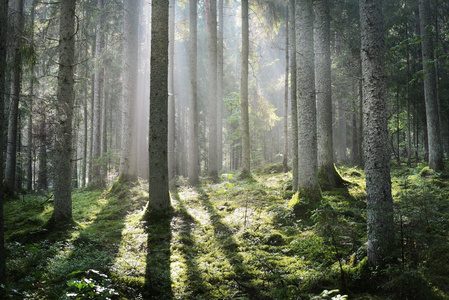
96	286
233	239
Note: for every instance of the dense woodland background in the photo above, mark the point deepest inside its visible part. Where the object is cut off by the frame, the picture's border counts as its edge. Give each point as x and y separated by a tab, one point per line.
224	149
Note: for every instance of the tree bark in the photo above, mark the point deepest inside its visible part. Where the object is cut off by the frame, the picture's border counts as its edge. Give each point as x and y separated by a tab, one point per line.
65	97
97	176
171	94
16	87
307	140
244	103
285	153
3	45
220	86
194	167
323	85
380	226
212	49
128	168
159	197
293	95
430	89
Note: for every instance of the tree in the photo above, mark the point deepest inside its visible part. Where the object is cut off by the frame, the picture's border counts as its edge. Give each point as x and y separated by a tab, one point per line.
3	45
220	85
293	95
11	148
97	176
128	162
246	167
159	197
171	93
193	168
307	141
65	99
380	226
323	86
430	88
285	153
212	49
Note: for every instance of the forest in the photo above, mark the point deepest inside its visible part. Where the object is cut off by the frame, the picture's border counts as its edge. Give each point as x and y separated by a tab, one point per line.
224	149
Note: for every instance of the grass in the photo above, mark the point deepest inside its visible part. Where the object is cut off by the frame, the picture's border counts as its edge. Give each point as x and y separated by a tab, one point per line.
229	240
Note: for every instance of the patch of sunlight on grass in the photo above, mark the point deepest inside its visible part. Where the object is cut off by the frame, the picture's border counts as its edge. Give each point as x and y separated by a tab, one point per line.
188	193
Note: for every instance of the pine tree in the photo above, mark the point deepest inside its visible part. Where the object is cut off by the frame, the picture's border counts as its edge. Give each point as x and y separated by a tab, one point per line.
3	45
128	165
65	101
193	168
307	142
159	197
380	226
244	103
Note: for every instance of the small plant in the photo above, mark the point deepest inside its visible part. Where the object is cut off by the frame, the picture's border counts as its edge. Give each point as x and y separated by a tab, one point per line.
326	294
95	286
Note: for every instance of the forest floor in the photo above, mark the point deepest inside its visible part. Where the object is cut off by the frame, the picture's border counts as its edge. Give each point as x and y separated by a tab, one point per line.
230	240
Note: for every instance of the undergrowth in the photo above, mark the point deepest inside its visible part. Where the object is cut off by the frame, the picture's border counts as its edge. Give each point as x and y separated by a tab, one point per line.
229	240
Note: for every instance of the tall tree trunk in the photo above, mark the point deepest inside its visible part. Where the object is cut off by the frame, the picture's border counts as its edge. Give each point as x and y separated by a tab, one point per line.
42	178
323	85
407	97
430	89
194	167
16	87
65	97
158	135
244	103
307	128
3	45
342	157
85	124
360	127
105	103
97	179
293	95
380	225
128	168
220	86
171	93
30	145
285	153
212	49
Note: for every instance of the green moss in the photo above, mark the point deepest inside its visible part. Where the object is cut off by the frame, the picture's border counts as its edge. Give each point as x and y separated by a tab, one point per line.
426	171
233	239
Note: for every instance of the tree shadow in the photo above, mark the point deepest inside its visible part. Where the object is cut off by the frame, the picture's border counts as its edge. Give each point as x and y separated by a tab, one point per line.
184	223
158	272
242	279
72	251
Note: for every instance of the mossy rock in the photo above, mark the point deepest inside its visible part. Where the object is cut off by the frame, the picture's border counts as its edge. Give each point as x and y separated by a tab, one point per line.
274	168
426	172
275	239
